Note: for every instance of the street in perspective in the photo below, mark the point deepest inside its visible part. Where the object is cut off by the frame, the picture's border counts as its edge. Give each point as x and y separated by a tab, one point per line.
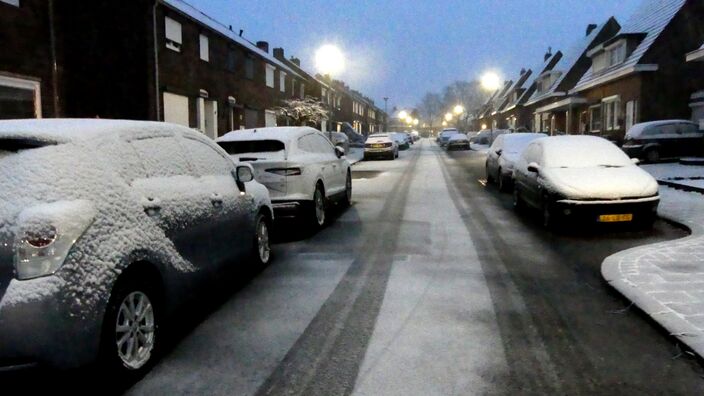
409	198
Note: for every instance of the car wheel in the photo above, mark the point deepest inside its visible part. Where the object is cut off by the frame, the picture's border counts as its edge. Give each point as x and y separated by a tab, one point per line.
318	215
652	155
347	200
131	328
261	249
489	178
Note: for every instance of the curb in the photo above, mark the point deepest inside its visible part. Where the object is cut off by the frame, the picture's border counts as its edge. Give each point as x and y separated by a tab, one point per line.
682	187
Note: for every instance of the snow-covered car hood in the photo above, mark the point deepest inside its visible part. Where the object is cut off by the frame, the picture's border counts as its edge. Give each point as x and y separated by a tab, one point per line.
508	160
599	182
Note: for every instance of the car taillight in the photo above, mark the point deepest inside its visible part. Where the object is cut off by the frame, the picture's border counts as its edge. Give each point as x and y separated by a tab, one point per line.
285	171
42	238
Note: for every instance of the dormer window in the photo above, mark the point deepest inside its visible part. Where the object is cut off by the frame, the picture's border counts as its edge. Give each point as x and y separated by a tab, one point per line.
547	79
617	53
604	57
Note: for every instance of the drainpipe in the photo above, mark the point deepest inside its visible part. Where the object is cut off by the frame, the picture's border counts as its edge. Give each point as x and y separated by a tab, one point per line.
157	97
54	63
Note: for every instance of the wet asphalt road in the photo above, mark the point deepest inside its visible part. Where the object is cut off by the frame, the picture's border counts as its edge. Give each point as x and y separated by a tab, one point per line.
428	284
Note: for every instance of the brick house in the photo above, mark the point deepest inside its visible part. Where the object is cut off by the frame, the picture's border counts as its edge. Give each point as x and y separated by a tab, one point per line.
641	73
550	106
696	58
29	66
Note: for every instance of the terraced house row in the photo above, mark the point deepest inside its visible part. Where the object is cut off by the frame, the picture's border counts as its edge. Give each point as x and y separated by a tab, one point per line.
649	68
166	61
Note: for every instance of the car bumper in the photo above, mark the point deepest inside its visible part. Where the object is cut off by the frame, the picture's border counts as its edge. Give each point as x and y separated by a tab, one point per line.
633	151
36	327
458	146
642	210
289	208
377	153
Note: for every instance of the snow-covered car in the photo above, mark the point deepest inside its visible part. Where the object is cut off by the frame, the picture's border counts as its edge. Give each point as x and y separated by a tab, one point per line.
584	178
302	169
486	137
106	227
380	145
415	135
664	139
401	140
503	155
339	139
457	141
444	136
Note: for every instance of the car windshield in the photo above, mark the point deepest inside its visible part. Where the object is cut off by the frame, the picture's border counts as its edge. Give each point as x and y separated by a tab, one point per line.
252	146
515	144
569	153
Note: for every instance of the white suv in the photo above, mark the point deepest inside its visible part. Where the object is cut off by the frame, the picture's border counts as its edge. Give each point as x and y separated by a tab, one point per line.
302	169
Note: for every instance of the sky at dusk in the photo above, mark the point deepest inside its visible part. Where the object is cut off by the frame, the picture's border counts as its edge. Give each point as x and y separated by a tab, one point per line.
403	49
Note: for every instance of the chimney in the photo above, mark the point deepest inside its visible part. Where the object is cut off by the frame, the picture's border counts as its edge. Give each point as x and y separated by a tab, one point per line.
296	61
590	28
279	53
241	31
523	71
548	54
263	45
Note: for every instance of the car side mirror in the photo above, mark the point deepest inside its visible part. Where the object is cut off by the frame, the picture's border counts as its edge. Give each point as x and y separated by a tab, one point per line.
243	174
498	152
533	167
339	151
635	161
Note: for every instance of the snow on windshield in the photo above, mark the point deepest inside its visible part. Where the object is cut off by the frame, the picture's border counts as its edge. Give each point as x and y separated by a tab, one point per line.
516	143
582	152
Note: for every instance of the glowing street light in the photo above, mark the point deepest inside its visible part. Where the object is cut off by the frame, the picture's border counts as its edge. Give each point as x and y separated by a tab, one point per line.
491	81
403	114
483	126
444	123
459	109
448	117
415	121
329	60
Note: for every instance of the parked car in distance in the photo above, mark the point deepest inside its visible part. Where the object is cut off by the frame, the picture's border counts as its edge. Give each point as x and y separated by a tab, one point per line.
503	154
106	228
584	178
458	141
409	138
401	139
444	136
415	135
654	140
339	139
486	137
302	169
380	145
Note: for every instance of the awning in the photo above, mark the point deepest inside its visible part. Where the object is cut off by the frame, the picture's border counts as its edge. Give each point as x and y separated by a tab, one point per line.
562	105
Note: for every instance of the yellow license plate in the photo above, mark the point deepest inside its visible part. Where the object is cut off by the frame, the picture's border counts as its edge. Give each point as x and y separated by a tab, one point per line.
615	218
377	146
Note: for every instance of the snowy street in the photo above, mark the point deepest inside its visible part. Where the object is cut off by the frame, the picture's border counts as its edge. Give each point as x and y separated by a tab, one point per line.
429	284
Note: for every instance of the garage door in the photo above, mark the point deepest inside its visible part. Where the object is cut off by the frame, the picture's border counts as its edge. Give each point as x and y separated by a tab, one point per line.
176	109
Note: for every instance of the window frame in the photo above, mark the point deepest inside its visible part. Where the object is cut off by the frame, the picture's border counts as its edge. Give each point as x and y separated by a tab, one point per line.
592	110
204	50
282	81
28	85
172	42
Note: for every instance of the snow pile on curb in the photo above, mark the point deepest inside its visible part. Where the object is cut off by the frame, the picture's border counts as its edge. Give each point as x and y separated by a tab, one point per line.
666	279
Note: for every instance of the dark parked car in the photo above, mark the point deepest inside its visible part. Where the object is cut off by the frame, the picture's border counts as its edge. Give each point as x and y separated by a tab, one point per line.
106	227
444	136
583	178
503	154
654	140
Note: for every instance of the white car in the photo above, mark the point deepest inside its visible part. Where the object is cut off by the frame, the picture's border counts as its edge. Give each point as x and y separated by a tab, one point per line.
401	140
381	145
458	141
503	155
302	169
584	178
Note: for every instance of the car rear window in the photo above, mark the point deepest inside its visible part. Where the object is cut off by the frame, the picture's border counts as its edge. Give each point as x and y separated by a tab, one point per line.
16	144
252	146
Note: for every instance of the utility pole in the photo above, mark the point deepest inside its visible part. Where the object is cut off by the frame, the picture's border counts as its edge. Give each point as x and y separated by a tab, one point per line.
386	113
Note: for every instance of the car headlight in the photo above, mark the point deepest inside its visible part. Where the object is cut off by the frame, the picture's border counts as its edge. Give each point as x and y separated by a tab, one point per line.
46	234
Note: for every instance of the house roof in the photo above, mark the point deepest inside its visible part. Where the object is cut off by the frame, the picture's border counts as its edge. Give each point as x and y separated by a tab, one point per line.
650	20
535	72
194	13
569	59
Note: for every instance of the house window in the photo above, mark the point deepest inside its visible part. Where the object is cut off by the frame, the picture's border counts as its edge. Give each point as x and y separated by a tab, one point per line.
204	48
612	110
269	75
176	109
174	38
231	59
269	118
599	62
19	98
15	3
282	81
617	54
249	68
595	118
631	113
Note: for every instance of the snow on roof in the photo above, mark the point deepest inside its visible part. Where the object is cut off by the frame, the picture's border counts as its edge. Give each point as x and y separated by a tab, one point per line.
650	19
581	151
534	73
568	61
68	130
272	133
199	16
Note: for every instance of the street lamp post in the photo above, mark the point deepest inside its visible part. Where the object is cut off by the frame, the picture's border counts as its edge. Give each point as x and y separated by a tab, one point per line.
329	61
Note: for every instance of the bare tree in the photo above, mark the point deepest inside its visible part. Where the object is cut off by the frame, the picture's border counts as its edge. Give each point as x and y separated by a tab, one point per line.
468	94
431	107
303	112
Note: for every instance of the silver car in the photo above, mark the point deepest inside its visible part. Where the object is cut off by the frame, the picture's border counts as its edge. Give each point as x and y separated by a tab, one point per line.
106	227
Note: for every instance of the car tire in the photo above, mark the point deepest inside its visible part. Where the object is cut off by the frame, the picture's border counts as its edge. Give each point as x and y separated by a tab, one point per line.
261	245
121	335
318	211
489	178
347	199
549	217
652	155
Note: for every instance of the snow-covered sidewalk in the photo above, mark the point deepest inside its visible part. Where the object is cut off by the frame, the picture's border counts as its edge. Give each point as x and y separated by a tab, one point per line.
666	280
676	175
